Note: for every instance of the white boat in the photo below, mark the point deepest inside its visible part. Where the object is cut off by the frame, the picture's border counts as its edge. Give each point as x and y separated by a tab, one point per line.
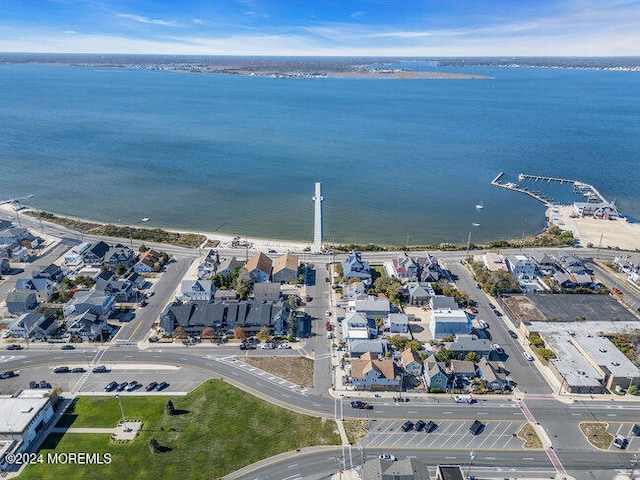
145	219
479	206
475	224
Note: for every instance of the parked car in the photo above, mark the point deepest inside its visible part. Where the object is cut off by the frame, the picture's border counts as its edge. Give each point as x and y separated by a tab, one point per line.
33	384
617	291
68	347
406	426
121	386
284	346
14	346
61	370
78	370
513	334
492	306
430	426
162	386
44	384
527	356
420	424
132	386
498	348
7	374
476	427
100	369
143	303
150	293
307	298
328	313
483	324
6	334
387	457
111	386
473	310
636	430
268	346
620	442
272	251
151	386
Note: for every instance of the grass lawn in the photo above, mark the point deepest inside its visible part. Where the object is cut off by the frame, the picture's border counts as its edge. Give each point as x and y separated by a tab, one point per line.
376	272
355	429
220	429
530	437
596	433
298	370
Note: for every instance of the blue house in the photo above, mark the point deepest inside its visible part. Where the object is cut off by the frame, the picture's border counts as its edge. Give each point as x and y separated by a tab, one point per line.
354	266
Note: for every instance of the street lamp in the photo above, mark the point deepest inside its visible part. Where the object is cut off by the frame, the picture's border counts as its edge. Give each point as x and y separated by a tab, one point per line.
634	463
472	456
121	409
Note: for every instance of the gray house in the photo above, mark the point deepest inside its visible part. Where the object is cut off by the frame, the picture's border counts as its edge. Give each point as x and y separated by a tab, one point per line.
466	343
435	374
419	293
98	303
42	287
354	266
411	362
21	301
33	325
119	255
88	326
359	347
266	292
370	373
95	255
488	373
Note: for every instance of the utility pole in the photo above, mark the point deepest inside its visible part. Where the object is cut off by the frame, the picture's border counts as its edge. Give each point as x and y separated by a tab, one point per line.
472	456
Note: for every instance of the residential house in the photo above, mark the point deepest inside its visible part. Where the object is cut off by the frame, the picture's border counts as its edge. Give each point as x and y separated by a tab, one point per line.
52	272
430	270
266	292
259	267
5	225
420	293
543	262
572	280
405	269
358	347
206	269
354	291
196	290
14	235
397	323
372	307
467	343
36	325
193	317
443	323
435	374
95	254
137	280
371	373
42	287
21	301
106	275
88	327
75	256
228	265
150	261
520	266
356	325
488	373
442	302
119	255
354	266
93	301
123	290
411	362
462	368
285	269
20	254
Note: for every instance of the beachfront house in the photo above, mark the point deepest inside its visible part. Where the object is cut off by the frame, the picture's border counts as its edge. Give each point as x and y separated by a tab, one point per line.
119	255
227	265
354	266
95	254
285	269
193	289
259	267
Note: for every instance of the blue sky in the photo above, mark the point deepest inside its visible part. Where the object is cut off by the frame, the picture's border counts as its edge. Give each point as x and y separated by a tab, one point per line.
323	27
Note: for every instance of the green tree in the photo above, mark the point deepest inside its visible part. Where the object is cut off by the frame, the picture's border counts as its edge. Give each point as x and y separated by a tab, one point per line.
244	283
399	341
546	353
632	390
391	287
263	335
120	269
169	408
472	357
143	248
445	355
414	345
379	322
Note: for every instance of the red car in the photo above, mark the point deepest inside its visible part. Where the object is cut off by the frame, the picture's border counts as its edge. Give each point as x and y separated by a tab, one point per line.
474	310
143	303
616	290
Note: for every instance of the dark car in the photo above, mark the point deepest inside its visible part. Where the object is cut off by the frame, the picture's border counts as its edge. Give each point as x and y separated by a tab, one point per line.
513	334
121	386
110	387
78	370
151	386
33	384
68	347
100	369
420	424
359	404
430	426
61	370
408	425
44	384
13	346
491	305
133	386
7	374
162	386
636	430
476	427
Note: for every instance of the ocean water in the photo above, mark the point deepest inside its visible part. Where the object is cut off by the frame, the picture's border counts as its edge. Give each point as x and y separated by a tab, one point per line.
398	159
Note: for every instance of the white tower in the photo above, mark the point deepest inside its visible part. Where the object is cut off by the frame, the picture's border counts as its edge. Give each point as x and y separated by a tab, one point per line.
317	221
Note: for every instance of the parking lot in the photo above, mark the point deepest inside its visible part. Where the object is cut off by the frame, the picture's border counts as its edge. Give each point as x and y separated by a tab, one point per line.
448	434
624	429
593	307
181	380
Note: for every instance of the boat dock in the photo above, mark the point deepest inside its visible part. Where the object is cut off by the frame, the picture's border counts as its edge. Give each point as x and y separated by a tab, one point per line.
591	194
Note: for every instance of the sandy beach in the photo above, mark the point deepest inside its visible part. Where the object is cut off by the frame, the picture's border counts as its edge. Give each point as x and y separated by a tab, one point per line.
599	233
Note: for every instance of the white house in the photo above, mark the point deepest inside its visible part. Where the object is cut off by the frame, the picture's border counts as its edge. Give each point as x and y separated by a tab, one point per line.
444	323
520	266
397	323
196	290
355	325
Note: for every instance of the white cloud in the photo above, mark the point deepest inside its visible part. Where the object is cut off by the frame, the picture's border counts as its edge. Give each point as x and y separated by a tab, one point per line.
152	21
197	21
256	14
70	32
